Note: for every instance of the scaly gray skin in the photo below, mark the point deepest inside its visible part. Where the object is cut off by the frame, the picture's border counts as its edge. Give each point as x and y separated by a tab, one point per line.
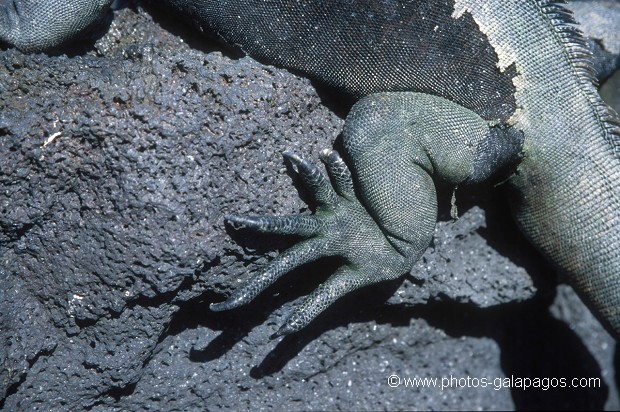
450	91
35	25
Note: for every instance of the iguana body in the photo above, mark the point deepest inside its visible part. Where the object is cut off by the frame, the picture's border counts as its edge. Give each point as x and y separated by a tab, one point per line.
448	91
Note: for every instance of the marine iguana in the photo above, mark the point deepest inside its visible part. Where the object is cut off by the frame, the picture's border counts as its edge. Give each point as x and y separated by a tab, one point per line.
453	91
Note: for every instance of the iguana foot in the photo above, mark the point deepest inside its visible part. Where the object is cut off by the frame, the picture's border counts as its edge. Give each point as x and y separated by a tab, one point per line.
341	226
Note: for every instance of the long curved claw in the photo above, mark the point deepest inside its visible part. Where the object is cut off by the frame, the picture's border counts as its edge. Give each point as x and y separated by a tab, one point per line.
319	187
288	260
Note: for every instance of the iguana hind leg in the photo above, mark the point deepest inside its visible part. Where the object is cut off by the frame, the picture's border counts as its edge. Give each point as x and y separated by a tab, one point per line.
396	144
